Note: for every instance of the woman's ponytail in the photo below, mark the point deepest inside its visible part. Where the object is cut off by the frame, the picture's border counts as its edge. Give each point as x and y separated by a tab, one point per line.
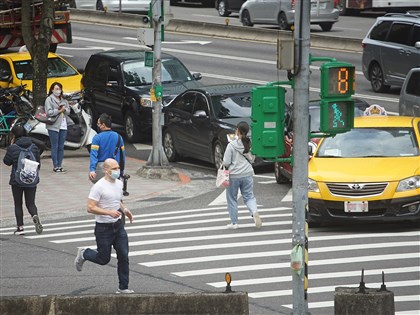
243	129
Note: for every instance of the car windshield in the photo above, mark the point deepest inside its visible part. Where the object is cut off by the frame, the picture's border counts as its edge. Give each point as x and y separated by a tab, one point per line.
56	68
136	73
370	142
231	106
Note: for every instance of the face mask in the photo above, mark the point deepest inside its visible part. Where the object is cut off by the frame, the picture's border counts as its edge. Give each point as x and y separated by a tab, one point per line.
57	92
115	174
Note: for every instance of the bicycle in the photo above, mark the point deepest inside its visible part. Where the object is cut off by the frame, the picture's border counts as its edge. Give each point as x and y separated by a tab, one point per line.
5	127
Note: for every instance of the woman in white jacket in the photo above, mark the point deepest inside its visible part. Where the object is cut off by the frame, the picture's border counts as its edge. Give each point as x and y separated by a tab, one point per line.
237	159
56	105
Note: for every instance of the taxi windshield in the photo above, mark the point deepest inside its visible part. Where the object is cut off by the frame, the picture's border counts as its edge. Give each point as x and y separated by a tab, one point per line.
56	68
371	142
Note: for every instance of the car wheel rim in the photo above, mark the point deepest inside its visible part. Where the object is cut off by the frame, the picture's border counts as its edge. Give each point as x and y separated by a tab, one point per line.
218	155
282	22
246	18
168	145
129	127
376	78
222	8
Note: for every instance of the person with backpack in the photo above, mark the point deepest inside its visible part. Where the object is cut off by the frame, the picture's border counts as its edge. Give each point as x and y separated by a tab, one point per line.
107	144
23	155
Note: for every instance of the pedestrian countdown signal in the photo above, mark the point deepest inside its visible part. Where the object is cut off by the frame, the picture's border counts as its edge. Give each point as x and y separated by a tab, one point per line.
337	87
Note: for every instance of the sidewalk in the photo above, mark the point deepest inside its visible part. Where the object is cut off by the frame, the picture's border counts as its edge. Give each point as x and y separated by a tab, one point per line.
65	195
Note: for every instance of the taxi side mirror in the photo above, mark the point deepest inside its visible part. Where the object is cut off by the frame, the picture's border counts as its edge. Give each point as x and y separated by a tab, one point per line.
311	148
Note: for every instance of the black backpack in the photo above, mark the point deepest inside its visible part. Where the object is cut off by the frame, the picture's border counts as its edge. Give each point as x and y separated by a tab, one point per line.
29	176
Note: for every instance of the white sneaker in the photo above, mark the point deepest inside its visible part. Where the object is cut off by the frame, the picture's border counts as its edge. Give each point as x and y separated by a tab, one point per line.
125	291
231	226
80	260
257	220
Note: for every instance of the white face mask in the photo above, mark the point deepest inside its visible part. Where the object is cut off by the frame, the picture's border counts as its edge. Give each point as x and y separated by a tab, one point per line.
57	92
115	174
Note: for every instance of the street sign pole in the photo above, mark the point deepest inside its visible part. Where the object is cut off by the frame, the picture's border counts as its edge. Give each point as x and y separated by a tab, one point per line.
300	150
157	156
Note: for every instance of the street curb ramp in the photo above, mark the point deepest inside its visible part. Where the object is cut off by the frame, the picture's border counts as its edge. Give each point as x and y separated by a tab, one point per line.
235	303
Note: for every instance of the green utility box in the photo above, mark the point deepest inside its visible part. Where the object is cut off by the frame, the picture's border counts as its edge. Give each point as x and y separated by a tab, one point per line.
268	121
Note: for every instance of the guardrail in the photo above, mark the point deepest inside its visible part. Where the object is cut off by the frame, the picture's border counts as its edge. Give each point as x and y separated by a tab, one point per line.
216	30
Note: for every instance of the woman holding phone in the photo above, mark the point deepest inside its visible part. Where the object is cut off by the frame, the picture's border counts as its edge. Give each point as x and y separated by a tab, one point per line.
56	105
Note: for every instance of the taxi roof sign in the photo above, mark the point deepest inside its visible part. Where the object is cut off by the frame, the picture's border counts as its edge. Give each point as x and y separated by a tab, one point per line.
375	110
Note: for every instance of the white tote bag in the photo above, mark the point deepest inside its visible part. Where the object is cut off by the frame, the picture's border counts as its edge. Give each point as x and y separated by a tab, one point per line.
222	179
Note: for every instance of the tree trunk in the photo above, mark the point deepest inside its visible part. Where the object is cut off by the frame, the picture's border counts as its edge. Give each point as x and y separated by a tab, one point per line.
37	41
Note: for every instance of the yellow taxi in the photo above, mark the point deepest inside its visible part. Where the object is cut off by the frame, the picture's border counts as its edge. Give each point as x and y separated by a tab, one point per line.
16	69
371	173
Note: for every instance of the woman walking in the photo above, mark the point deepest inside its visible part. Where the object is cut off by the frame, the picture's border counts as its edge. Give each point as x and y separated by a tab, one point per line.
56	105
19	143
237	159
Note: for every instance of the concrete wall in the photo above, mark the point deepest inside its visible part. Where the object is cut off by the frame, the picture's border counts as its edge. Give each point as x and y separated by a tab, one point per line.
235	303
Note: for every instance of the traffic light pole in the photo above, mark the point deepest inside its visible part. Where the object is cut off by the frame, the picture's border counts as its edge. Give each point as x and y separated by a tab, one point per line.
300	149
157	156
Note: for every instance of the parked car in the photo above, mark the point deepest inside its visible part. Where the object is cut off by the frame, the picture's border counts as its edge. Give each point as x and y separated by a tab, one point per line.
283	170
282	13
369	174
117	82
226	7
390	49
16	69
141	6
200	122
206	3
409	104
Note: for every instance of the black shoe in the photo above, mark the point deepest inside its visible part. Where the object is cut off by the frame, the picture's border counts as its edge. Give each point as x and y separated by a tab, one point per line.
38	225
61	170
19	231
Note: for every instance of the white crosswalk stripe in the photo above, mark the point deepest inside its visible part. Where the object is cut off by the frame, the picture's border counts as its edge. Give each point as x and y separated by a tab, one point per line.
194	243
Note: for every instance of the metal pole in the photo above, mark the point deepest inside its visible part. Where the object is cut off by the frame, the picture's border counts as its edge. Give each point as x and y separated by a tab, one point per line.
157	156
300	147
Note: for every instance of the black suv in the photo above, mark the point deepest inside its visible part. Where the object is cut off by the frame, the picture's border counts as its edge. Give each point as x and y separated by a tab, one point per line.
118	83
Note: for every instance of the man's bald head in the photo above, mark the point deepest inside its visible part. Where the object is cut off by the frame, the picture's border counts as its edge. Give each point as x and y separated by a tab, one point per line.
110	164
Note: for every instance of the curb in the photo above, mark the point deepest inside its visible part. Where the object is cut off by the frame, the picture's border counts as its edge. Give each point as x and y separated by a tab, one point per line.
215	30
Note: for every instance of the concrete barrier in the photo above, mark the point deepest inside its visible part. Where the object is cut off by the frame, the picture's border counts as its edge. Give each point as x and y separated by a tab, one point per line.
217	30
235	303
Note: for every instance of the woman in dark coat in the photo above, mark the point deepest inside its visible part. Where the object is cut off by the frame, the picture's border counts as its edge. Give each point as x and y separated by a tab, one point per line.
19	143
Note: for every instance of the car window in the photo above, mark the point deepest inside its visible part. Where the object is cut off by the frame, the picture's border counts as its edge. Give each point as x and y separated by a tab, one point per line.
175	71
56	68
184	103
371	142
100	74
231	106
380	31
413	85
5	71
400	33
416	35
201	104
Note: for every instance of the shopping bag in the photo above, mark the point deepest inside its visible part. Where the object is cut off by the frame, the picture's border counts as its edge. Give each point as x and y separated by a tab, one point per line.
222	179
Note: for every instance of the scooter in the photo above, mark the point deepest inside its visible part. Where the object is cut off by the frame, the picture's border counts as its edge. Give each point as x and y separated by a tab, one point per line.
78	135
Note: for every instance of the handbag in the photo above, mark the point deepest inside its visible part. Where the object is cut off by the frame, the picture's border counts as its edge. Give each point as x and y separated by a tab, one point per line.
222	179
42	116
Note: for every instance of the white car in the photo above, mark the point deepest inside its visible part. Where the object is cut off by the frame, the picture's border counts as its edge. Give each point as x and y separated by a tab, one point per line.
112	5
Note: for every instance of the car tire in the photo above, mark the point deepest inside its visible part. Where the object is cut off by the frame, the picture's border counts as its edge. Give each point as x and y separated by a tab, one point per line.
169	146
326	27
222	8
131	127
246	19
376	76
283	23
280	178
218	153
99	5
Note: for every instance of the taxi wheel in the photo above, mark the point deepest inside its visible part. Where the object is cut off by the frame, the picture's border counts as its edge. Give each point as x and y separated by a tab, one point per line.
280	178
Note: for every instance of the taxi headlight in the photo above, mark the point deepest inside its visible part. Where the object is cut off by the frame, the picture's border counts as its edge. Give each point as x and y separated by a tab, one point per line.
145	101
312	185
409	183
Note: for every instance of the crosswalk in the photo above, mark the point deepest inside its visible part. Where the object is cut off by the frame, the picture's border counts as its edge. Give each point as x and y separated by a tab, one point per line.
195	244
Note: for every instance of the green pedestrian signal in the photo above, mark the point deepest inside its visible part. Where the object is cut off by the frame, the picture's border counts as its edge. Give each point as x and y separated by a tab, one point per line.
337	87
268	121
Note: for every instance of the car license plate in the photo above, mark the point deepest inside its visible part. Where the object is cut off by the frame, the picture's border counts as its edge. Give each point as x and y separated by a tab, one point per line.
355	206
322	5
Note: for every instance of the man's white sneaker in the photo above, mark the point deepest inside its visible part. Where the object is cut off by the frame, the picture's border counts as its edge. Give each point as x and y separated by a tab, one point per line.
231	226
125	291
80	260
257	220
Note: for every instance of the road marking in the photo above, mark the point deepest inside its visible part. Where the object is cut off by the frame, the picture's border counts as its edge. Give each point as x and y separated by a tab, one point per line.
221	199
259	267
236	256
315	276
288	196
403	298
141	146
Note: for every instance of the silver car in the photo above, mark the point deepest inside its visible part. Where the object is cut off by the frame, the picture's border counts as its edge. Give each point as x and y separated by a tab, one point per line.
410	94
390	49
282	13
112	5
